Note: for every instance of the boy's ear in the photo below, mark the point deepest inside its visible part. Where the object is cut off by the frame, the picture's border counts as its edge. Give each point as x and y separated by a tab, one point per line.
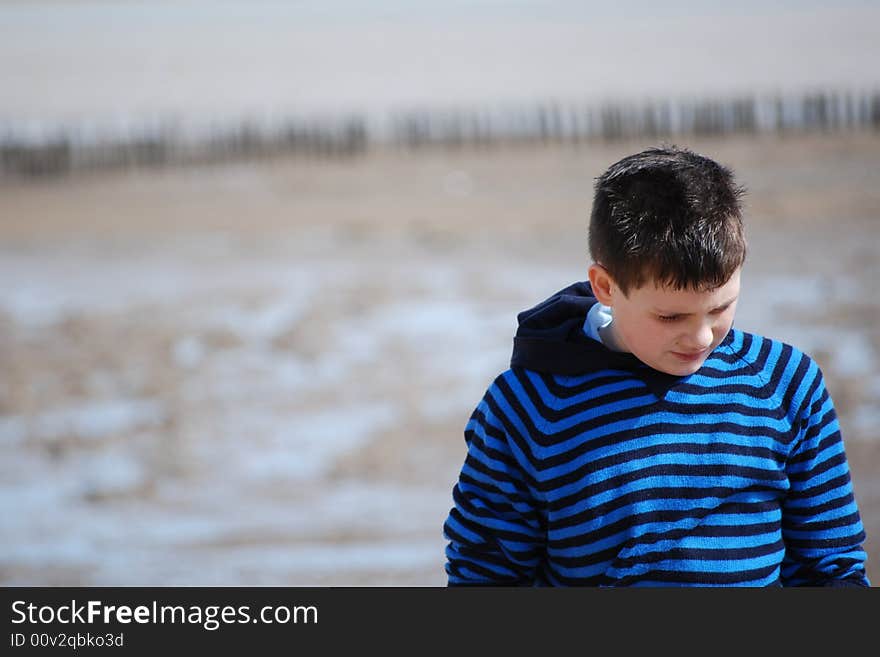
602	284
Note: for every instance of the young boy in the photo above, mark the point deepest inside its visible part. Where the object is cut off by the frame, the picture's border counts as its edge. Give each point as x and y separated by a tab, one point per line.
637	438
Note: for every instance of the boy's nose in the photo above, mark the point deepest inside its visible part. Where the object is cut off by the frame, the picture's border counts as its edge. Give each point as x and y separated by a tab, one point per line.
699	340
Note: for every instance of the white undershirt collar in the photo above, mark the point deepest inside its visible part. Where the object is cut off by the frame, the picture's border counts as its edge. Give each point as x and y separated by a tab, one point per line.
597	325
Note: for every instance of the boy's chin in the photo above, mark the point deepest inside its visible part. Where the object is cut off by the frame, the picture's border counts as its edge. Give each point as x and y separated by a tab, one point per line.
680	369
669	363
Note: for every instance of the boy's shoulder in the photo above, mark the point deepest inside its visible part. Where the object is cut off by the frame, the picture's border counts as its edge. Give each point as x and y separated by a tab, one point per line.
772	372
761	351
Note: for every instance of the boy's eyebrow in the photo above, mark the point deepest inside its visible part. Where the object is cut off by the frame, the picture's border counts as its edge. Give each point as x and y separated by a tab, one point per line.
719	307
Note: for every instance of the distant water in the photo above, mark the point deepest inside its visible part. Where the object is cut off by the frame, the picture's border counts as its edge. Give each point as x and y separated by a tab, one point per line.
200	61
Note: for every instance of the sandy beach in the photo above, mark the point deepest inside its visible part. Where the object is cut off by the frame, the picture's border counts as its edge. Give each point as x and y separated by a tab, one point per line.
258	373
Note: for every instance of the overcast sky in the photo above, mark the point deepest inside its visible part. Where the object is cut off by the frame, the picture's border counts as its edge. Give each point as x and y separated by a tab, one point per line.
86	59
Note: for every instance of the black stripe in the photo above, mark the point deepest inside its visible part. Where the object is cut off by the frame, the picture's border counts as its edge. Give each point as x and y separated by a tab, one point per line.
828	464
491	575
597	402
656	516
831	484
562	387
830	505
590	469
649	538
820	525
851	541
700	577
494	534
704	554
685	471
812	452
656	493
819	426
501	510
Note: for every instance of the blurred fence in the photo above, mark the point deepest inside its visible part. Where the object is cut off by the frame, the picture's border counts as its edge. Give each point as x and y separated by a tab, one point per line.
58	150
43	151
568	123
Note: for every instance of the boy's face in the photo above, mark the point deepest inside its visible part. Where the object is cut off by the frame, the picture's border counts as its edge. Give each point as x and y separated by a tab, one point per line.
671	330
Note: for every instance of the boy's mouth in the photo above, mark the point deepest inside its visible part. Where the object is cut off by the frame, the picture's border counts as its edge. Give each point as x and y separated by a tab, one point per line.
689	357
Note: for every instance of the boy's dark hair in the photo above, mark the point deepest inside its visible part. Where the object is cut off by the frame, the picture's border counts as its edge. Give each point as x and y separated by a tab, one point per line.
668	215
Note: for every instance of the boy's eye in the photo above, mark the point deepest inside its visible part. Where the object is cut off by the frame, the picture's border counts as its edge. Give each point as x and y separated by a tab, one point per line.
675	318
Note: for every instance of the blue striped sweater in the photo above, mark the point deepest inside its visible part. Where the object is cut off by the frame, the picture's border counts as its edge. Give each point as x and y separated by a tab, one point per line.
587	467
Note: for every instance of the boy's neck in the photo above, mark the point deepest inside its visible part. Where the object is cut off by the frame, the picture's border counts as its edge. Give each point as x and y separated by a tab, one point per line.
609	338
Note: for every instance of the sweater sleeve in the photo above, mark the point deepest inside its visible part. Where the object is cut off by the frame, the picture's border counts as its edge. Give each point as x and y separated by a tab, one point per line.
821	526
495	531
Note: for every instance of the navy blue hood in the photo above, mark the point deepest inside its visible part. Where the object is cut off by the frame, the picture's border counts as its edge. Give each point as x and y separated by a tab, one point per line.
550	337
